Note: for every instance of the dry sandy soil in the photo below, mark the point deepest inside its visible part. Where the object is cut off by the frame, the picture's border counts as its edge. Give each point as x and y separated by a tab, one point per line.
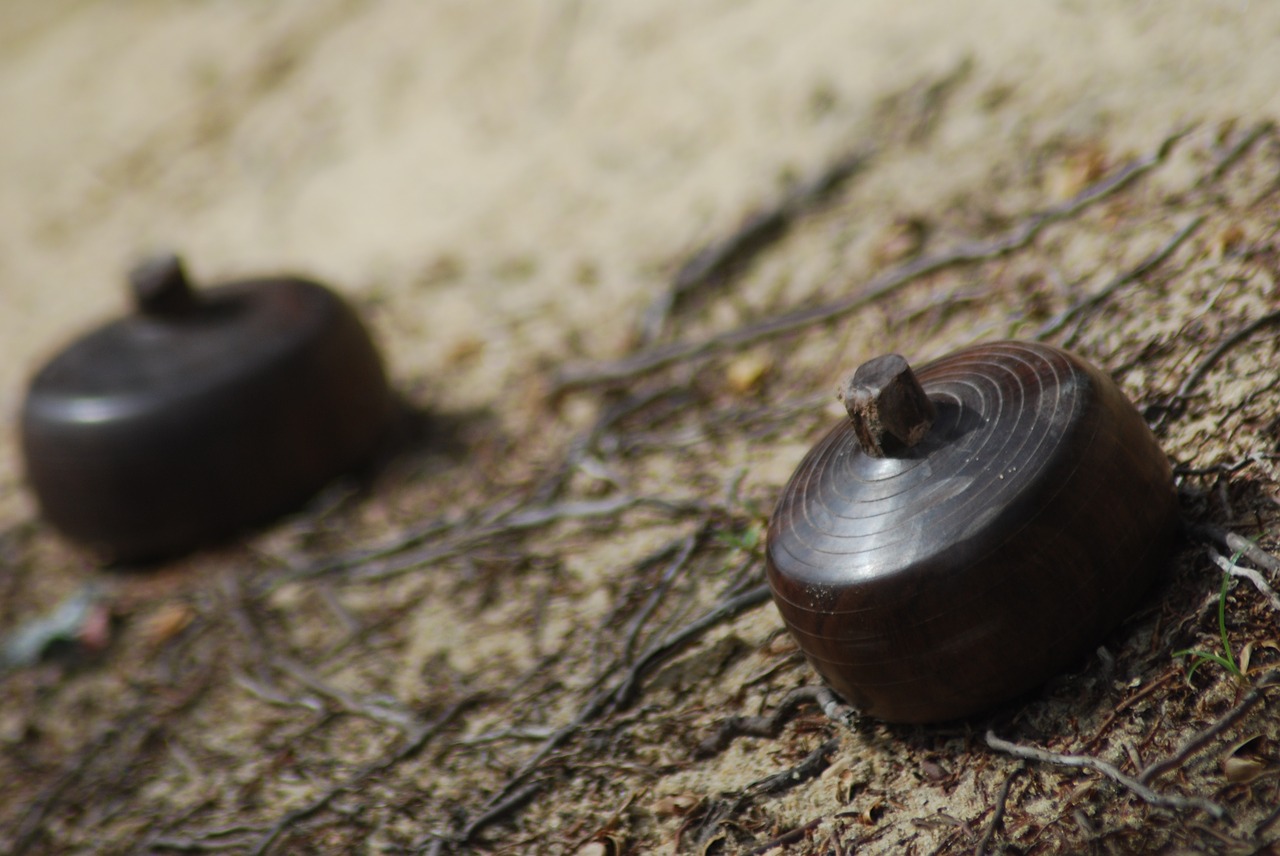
487	645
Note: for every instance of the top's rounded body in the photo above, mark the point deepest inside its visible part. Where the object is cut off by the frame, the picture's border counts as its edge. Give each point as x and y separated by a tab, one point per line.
958	573
166	429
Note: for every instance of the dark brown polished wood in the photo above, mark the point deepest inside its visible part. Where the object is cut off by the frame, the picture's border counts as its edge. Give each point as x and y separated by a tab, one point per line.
204	411
949	576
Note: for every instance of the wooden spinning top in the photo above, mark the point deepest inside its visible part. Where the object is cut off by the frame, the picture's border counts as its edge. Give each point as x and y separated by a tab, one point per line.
202	412
973	529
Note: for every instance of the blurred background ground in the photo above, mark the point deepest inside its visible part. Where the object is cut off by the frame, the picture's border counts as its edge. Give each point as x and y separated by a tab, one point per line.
503	189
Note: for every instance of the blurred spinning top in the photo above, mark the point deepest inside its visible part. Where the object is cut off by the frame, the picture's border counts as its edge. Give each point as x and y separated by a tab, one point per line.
201	413
970	531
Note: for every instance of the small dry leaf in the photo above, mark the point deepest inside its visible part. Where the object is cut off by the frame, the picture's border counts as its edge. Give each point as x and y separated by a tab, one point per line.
167	622
605	845
1240	771
713	844
933	771
899	240
676	805
1223	133
1037	295
1265	643
847	784
1076	171
1228	240
442	270
1248	760
872	812
464	349
745	372
781	645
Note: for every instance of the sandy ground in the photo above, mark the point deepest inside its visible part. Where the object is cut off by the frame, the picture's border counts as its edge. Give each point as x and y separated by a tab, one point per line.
503	187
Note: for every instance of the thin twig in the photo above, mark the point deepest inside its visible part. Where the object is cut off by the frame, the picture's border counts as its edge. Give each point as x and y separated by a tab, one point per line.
31	825
720	810
914	113
1202	739
1265	824
602	830
1218	469
1171	801
659	652
581	375
1152	686
1233	154
769	726
416	739
1197	375
813	764
395	716
501	809
1259	582
715	262
272	694
608	699
669	575
997	816
786	839
396	545
509	522
1053	325
1235	543
202	843
113	755
589	440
